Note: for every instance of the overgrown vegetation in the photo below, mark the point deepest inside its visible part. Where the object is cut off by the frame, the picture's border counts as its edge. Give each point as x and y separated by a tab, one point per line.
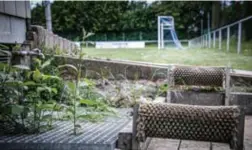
30	100
93	104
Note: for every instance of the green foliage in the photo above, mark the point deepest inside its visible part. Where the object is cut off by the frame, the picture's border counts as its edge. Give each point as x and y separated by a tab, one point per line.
116	18
92	108
27	98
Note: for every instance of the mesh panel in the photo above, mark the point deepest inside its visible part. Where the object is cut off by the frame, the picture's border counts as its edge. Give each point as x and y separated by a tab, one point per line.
205	123
198	76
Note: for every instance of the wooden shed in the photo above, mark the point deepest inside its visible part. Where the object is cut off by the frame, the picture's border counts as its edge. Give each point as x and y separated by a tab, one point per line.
14	21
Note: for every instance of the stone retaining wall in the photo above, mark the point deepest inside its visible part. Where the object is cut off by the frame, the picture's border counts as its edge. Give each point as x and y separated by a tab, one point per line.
93	68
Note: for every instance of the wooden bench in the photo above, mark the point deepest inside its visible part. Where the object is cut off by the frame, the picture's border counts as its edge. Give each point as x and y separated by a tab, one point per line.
224	124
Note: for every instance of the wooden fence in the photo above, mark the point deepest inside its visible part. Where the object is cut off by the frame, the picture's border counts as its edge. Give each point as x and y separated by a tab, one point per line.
44	39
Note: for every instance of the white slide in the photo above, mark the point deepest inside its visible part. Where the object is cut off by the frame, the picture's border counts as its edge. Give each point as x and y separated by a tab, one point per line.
176	40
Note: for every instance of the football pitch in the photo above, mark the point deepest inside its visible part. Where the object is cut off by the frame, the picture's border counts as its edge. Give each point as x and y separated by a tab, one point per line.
197	57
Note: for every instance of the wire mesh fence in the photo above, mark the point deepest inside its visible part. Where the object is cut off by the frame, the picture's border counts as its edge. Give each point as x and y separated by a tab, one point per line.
230	38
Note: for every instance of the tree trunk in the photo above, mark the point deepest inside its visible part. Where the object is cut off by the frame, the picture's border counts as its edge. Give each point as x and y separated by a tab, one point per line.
248	24
216	9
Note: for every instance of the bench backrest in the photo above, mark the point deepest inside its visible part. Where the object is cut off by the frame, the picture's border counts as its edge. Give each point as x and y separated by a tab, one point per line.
189	122
199	76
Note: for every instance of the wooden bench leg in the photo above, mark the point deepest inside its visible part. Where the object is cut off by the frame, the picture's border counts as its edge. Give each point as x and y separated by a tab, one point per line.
135	143
237	141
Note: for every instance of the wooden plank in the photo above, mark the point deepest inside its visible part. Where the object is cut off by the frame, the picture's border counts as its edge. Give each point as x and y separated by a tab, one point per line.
135	144
163	144
145	145
240	129
194	145
241	73
227	87
170	80
125	137
220	146
248	133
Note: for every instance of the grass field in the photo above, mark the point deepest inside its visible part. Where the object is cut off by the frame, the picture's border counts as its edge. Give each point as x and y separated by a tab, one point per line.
197	57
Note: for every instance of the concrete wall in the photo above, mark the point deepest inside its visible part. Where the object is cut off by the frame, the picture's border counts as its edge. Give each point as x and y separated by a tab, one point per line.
196	98
13	15
119	69
243	99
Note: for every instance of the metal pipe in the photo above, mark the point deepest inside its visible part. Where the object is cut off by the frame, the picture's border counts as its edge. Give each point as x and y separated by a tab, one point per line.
228	38
159	33
220	39
214	39
209	34
239	38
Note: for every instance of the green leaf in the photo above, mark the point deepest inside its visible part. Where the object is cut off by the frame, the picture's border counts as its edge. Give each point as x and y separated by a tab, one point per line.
17	109
47	117
29	83
70	109
58	107
47	63
71	85
45	77
3	47
81	55
38	61
47	106
41	89
37	75
22	67
88	102
54	90
13	83
69	66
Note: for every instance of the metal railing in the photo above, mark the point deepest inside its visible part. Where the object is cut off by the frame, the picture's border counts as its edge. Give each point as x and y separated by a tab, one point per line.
209	39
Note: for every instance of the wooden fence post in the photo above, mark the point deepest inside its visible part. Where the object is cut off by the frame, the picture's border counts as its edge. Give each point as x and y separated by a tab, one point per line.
135	143
227	86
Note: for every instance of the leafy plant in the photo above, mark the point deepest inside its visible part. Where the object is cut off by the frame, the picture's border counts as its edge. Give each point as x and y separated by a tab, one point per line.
89	112
26	99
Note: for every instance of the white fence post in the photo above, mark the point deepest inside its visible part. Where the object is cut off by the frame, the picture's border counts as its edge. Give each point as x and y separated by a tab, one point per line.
202	40
158	34
214	39
206	41
228	38
209	40
220	38
239	38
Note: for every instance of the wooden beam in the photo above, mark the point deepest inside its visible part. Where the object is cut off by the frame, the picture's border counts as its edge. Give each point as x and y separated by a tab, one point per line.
227	87
219	146
240	129
135	143
125	137
194	145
